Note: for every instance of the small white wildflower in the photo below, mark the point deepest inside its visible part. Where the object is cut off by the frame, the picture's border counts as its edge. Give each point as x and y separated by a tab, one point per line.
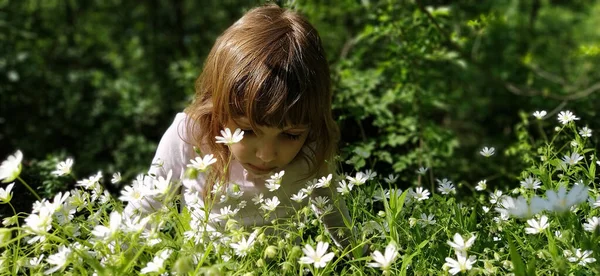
539	114
202	164
427	219
63	168
319	257
158	262
462	263
537	226
384	261
564	117
422	170
531	183
116	178
585	132
11	167
344	188
581	257
481	185
228	138
446	186
270	204
6	195
573	159
298	197
592	224
244	246
420	194
487	152
272	185
324	182
460	245
391	179
360	179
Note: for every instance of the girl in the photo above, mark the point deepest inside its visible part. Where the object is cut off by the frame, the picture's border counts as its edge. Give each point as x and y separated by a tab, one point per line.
267	75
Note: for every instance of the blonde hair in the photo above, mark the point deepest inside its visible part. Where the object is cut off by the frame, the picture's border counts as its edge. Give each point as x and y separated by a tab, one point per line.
270	67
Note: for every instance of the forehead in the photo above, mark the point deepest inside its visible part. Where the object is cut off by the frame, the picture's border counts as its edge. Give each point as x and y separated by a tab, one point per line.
242	120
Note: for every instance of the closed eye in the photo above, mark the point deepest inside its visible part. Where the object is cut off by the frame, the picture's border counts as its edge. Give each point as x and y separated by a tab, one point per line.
292	136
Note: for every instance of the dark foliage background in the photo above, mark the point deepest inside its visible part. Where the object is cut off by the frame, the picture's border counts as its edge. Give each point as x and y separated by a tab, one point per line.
417	83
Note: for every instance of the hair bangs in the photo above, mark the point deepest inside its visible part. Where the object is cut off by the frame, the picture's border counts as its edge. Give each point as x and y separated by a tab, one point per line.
275	97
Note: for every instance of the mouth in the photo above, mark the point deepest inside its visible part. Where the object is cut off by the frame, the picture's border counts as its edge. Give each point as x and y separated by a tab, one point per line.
259	170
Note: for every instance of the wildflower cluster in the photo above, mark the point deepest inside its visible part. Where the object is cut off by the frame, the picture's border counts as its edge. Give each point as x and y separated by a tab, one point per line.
548	222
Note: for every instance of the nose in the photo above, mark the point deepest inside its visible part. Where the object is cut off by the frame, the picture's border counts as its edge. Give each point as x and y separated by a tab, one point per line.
266	151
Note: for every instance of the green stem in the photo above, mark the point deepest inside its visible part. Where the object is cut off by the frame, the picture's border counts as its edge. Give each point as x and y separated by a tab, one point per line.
29	188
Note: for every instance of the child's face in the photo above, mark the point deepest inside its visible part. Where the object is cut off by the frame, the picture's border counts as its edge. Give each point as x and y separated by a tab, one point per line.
267	149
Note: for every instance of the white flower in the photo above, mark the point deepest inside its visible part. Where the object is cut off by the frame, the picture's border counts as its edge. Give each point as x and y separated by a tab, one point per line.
91	182
427	219
592	224
11	167
564	117
59	259
391	178
487	152
298	197
6	195
520	208
531	183
495	197
460	245
270	204
420	194
585	132
344	188
116	178
446	186
561	201
243	247
581	258
384	261
258	199
157	264
63	168
573	159
360	179
272	185
540	114
422	170
370	174
319	257
324	182
104	232
461	264
320	201
228	138
481	185
202	163
537	226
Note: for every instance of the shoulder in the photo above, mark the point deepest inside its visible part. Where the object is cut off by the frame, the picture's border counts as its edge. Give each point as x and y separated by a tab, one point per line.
174	149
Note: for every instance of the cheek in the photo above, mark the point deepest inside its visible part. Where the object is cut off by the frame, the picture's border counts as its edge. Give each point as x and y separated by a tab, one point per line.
240	151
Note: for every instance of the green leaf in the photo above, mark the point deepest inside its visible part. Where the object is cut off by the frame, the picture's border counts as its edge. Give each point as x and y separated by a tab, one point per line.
515	258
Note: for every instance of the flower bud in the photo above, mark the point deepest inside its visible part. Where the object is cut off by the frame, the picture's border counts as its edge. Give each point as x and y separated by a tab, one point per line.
281	243
184	265
5	236
270	251
286	266
191	173
296	252
381	214
260	263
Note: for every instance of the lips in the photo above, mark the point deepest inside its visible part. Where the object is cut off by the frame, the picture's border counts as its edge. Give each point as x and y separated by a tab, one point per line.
259	170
